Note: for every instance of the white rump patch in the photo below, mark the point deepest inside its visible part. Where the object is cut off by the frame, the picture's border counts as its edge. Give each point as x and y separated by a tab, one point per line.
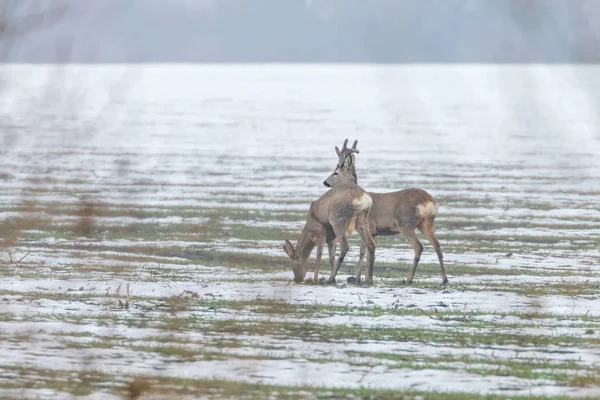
363	202
428	209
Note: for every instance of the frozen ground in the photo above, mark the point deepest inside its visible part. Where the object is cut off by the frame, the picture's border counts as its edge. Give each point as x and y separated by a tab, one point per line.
180	184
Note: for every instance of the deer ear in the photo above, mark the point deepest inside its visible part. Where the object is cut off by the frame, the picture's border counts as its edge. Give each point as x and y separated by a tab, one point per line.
348	161
337	150
289	249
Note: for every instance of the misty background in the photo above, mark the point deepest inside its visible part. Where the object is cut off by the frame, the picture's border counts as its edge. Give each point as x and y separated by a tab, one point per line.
373	31
549	103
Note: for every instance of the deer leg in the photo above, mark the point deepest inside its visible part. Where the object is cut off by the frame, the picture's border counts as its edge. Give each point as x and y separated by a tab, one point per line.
331	245
375	243
344	247
331	250
361	257
367	240
427	228
318	262
411	236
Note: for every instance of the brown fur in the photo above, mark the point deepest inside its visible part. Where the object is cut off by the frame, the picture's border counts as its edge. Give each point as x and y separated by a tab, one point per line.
396	213
329	219
392	213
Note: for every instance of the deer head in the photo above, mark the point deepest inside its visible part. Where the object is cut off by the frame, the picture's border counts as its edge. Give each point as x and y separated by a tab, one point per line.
344	170
298	265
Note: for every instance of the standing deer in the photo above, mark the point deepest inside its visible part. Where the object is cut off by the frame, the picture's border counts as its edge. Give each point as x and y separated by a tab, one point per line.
391	214
333	216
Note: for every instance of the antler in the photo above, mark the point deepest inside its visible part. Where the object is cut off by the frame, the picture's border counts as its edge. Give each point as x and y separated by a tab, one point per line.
346	151
351	150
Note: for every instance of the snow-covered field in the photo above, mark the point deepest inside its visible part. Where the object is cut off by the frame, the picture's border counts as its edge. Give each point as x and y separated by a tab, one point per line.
143	211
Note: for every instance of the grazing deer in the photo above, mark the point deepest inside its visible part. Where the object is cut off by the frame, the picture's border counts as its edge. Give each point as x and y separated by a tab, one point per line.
313	234
392	213
333	216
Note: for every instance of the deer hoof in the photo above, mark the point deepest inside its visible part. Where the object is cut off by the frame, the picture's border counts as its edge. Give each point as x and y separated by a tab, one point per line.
331	281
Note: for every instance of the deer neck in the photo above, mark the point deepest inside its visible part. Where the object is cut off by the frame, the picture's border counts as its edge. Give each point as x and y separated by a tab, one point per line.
350	174
305	244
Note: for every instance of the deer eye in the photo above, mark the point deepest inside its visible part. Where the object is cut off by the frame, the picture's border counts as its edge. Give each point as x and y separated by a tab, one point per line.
335	173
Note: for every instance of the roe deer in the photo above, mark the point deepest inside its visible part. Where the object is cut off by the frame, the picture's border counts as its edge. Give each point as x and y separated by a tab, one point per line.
333	216
313	234
392	213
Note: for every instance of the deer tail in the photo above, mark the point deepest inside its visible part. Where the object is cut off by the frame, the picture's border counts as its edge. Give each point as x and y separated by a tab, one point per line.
428	209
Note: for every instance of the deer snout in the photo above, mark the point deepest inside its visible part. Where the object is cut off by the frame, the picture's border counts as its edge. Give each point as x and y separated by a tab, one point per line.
326	184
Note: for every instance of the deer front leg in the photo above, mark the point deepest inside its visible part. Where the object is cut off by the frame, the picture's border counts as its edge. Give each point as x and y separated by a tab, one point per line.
318	262
361	257
331	250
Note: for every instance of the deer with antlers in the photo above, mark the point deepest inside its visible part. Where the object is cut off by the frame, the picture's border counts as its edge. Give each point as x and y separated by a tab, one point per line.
332	217
391	214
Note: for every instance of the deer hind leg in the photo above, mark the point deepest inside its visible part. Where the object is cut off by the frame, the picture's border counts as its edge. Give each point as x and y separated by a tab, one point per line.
344	247
427	228
411	236
367	241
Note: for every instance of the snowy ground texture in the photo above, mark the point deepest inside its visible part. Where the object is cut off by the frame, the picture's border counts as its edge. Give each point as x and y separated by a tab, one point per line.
143	210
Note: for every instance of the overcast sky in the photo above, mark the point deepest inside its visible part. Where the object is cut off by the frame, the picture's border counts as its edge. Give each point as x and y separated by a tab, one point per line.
380	31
